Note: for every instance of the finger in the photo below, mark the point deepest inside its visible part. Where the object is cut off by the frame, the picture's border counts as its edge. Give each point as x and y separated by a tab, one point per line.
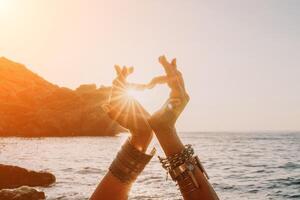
150	85
177	89
176	83
117	92
118	87
167	66
125	71
117	96
130	70
107	108
137	86
118	70
119	82
175	80
159	80
174	64
112	114
120	75
175	102
115	111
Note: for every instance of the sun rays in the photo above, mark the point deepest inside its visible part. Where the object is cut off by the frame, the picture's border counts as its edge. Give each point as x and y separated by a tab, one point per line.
123	105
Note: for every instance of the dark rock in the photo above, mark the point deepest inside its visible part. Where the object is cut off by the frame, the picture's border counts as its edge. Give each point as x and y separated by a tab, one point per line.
32	107
21	193
14	177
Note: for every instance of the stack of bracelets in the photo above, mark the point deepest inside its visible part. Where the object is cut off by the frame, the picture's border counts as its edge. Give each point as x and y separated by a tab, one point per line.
129	163
181	168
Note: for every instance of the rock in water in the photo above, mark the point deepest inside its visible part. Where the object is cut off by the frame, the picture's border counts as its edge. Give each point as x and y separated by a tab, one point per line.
21	193
14	177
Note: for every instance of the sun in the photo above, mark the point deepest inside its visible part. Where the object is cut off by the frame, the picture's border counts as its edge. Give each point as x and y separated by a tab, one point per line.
136	94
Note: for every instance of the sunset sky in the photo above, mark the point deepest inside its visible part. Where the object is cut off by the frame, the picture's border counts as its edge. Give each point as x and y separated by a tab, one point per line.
240	59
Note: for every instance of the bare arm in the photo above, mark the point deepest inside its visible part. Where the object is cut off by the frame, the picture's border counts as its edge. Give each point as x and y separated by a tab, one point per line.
172	144
131	115
110	186
163	124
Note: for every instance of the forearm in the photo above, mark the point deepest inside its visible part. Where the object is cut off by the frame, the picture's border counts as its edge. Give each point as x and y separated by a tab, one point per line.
172	144
123	171
141	143
205	190
169	141
112	188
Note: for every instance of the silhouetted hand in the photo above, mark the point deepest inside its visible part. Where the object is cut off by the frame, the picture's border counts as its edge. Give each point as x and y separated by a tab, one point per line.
165	118
125	110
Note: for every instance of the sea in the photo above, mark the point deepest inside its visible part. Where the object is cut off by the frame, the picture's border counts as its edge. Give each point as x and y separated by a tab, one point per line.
252	166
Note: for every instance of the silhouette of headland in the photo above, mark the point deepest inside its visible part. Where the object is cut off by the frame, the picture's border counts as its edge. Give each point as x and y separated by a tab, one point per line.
30	106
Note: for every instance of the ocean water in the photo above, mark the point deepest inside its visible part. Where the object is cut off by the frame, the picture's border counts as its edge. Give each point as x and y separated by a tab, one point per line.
241	166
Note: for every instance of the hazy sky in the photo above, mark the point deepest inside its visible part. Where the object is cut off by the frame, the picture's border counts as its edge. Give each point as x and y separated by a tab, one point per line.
240	59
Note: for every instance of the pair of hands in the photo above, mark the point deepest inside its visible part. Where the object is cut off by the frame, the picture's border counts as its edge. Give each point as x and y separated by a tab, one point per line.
131	115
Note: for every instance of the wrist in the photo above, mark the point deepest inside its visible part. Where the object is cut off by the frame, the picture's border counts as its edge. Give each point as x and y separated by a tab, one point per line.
141	142
165	130
161	124
129	163
169	140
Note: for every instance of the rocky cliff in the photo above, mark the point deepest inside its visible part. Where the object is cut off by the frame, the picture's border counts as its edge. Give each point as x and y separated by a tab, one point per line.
33	107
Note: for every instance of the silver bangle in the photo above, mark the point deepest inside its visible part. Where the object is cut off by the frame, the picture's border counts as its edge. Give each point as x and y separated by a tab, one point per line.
182	166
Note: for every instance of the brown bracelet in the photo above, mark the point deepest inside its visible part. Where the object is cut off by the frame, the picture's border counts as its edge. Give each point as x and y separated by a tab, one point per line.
181	167
129	163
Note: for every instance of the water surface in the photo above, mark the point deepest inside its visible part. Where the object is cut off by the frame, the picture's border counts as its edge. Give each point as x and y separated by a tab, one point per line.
256	166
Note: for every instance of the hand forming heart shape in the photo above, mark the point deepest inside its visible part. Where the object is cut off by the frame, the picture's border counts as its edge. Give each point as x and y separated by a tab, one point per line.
131	115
